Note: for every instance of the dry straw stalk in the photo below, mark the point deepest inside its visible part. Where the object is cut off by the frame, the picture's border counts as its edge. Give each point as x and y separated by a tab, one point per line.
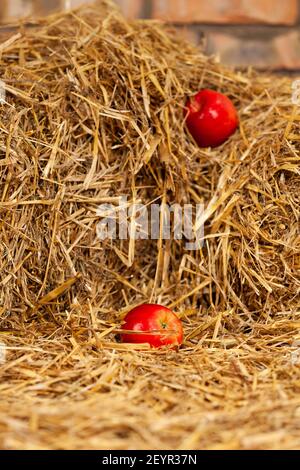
94	111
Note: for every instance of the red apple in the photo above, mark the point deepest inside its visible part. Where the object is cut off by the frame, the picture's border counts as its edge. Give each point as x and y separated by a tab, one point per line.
211	118
153	324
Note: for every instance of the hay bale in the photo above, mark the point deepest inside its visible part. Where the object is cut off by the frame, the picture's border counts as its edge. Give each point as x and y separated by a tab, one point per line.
93	112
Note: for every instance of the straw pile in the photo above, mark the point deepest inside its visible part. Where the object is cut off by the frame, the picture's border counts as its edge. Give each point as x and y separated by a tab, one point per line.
94	111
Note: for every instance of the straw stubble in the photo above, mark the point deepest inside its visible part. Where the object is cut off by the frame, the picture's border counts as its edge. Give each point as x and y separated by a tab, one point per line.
94	111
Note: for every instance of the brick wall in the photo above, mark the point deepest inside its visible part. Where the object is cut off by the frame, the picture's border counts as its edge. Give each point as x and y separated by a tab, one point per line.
262	33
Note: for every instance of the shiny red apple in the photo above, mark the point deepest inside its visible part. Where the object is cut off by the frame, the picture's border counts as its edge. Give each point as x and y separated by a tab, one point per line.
211	118
153	324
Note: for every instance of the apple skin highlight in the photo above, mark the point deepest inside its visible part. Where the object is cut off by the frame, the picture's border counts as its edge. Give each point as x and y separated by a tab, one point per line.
211	118
153	324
